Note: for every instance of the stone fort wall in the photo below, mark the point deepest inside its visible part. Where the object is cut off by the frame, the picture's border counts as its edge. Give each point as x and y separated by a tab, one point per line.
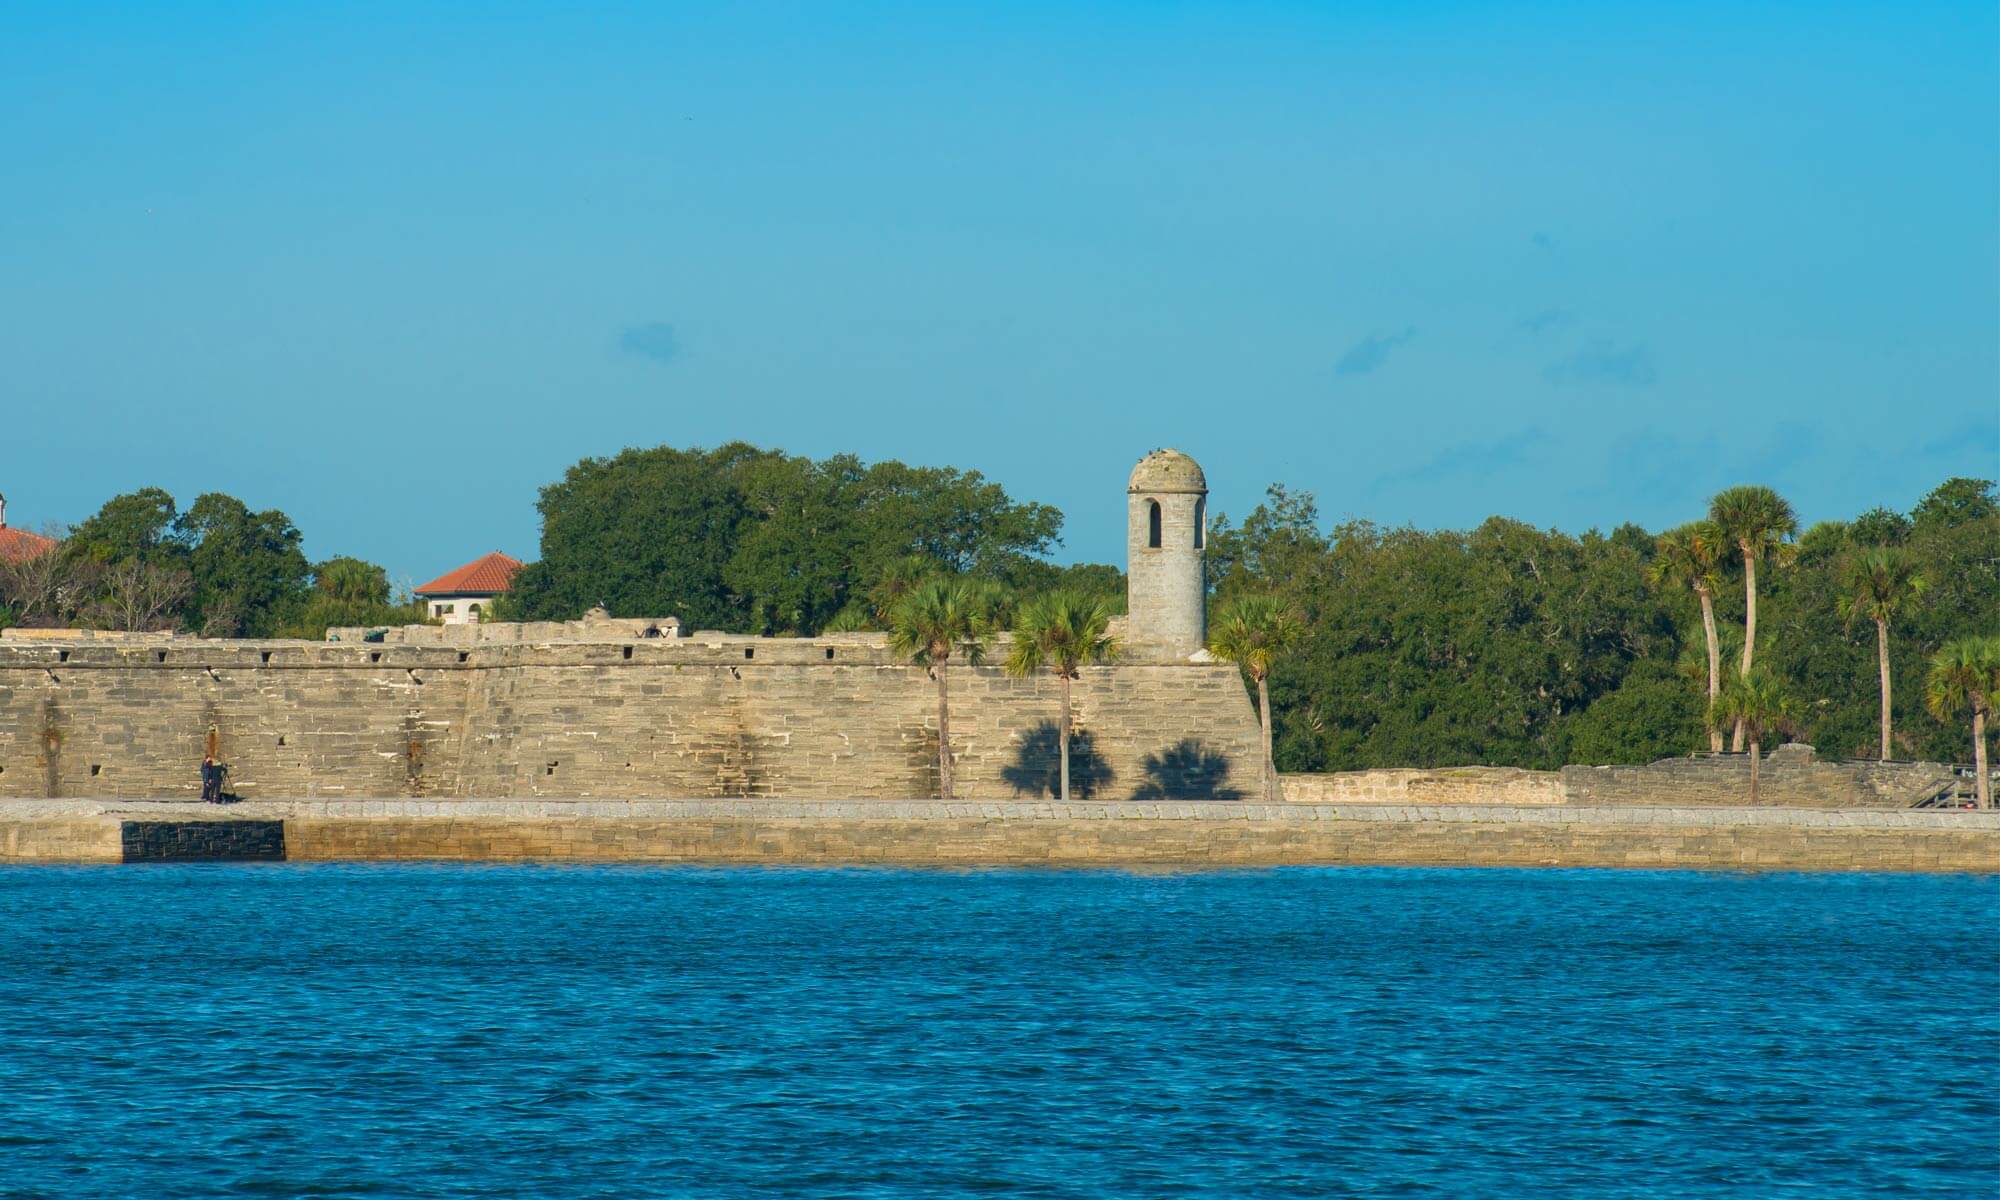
649	717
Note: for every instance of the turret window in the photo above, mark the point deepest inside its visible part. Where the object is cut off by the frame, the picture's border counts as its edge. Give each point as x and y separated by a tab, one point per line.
1153	524
1200	519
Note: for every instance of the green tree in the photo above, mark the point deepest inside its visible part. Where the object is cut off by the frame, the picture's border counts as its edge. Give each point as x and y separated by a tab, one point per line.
958	519
1880	527
1761	525
793	558
1653	714
1279	542
1255	632
647	533
1065	632
248	568
136	525
1691	557
940	617
1027	578
1880	582
1957	501
745	539
1966	673
1757	704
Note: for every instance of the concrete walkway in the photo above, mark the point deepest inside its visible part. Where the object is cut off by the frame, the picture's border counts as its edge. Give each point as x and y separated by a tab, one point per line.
588	809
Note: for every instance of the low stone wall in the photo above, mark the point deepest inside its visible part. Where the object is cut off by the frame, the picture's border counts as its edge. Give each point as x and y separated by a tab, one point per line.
1445	785
1789	777
56	837
1119	834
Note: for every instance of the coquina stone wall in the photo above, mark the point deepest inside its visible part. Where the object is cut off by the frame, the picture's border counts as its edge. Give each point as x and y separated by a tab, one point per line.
1789	777
1442	785
794	718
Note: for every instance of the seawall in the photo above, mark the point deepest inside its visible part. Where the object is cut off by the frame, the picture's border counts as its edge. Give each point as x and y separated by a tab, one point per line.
835	718
936	833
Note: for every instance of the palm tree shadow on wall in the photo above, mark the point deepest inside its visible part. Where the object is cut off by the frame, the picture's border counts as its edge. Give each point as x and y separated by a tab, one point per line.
1037	766
1187	770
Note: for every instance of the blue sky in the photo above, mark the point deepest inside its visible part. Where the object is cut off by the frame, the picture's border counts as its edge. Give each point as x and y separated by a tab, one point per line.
393	267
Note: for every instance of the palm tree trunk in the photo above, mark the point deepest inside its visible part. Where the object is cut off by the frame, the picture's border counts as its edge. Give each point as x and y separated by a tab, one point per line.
1882	663
1754	756
1270	766
1749	631
944	733
1749	609
1714	664
1982	786
1062	736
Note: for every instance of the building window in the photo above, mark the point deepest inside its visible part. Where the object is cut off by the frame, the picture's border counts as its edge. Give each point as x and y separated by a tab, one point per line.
1153	524
1200	519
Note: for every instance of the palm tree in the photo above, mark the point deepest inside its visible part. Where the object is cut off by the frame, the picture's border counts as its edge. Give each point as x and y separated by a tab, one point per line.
1065	631
1761	524
931	621
1757	705
1254	632
352	581
1691	556
1967	672
1879	582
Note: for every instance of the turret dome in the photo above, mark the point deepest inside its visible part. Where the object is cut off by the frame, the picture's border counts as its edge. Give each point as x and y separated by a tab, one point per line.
1167	471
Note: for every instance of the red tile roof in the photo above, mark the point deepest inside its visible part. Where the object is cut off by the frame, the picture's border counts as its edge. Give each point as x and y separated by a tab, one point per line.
18	545
488	576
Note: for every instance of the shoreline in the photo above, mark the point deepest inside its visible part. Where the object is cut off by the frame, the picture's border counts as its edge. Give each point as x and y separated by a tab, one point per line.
1175	833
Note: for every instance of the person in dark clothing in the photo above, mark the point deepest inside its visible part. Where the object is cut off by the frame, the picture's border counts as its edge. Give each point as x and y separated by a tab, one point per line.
211	780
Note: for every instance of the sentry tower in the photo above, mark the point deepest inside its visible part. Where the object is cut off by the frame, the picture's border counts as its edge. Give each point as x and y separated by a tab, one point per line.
1165	534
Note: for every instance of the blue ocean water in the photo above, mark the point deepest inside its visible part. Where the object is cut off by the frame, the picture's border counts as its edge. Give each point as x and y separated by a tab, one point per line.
523	1031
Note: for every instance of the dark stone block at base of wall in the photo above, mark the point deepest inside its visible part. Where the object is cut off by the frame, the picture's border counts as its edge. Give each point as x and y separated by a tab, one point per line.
203	841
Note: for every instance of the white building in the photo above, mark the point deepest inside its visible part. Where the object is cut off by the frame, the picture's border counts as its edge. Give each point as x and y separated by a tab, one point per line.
458	597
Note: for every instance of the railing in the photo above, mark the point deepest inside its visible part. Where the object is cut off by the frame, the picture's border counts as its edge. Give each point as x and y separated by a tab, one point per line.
1960	791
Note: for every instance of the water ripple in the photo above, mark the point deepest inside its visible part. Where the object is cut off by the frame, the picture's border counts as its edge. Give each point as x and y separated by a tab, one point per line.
459	1031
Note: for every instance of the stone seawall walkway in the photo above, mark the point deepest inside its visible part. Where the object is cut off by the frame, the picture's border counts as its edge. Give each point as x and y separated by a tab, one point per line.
1169	833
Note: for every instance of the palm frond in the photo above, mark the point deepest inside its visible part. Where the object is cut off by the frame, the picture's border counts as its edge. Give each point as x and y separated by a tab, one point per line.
1756	520
1065	631
942	616
1254	632
1965	673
